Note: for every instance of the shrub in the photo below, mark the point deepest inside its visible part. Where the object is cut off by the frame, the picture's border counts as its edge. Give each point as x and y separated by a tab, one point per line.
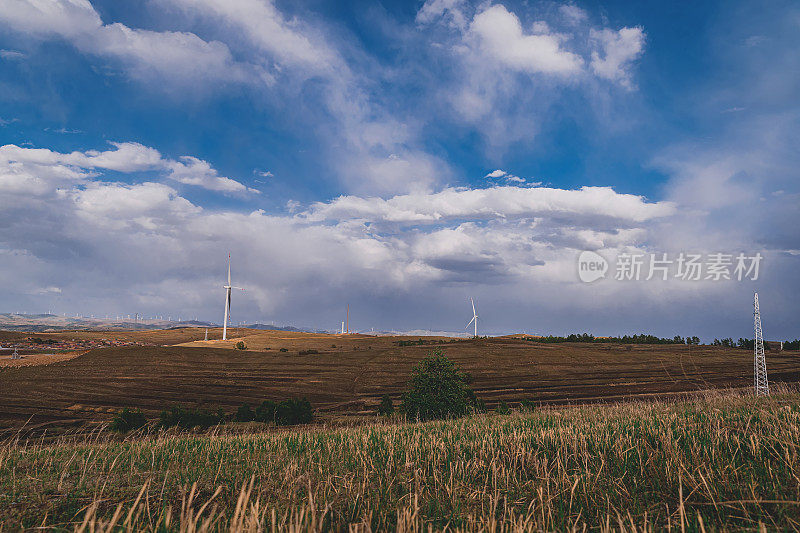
244	414
437	389
386	407
284	350
293	411
528	405
266	411
188	418
128	420
502	408
241	345
307	352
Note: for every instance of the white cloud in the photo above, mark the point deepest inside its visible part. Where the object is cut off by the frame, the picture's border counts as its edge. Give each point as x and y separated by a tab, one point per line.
581	206
11	54
286	41
617	50
193	171
32	168
179	57
573	14
147	247
500	36
496	174
452	10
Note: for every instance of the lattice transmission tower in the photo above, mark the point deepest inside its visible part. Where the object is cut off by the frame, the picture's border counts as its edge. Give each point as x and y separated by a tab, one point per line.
759	361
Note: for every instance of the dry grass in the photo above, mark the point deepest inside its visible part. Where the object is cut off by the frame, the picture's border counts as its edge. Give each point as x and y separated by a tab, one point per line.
720	462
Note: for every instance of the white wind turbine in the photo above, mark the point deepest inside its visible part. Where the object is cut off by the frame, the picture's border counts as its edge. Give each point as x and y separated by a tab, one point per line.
228	288
474	317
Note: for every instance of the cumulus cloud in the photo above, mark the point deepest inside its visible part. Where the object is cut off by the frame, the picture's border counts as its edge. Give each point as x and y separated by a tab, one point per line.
495	202
617	50
143	235
508	71
500	36
33	168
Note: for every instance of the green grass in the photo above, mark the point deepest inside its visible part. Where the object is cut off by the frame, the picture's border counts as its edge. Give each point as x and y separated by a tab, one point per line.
720	462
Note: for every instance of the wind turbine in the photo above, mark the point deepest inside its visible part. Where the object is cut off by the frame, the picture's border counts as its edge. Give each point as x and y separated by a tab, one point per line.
228	288
474	317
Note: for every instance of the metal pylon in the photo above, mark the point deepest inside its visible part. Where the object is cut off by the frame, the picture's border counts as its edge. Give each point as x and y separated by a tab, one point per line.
759	360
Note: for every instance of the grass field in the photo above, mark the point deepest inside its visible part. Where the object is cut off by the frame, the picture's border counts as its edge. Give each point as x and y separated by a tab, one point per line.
347	376
719	462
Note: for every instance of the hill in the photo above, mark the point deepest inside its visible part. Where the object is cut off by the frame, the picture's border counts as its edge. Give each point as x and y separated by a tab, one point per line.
345	376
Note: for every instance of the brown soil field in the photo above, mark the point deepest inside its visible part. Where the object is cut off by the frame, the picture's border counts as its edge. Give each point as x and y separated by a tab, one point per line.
158	336
350	373
32	359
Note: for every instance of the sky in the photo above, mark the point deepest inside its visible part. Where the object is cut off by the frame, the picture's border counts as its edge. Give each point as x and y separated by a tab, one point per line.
402	158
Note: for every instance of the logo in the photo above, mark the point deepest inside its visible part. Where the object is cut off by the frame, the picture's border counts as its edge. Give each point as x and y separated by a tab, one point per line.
591	266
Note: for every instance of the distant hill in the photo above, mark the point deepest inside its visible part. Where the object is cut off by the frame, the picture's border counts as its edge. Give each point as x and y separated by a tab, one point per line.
47	322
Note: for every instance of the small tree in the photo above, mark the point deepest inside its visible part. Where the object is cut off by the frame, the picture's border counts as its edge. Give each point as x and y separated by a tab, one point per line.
386	407
128	420
241	345
437	389
293	411
244	414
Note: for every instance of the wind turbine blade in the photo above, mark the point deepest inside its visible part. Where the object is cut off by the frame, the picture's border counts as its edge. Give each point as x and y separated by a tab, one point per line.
470	322
229	269
473	306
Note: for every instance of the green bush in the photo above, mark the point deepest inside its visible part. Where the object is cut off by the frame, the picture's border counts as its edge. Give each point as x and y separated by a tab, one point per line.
293	411
284	350
189	418
307	352
266	411
502	408
128	420
528	405
437	389
241	345
244	414
386	407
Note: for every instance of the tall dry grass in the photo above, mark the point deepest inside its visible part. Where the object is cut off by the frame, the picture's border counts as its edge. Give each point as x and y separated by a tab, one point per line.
720	462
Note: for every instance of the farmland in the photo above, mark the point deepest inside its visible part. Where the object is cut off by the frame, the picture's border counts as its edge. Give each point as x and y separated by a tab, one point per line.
344	377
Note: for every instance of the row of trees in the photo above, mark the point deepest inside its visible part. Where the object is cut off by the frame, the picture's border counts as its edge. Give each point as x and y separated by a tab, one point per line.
729	343
625	339
286	413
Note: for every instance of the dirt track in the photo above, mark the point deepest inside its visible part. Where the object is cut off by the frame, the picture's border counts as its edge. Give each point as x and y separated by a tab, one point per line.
350	378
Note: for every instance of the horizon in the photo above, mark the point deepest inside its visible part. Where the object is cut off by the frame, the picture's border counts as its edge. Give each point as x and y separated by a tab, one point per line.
572	166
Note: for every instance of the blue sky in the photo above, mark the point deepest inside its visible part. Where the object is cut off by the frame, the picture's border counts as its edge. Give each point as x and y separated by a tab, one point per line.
401	156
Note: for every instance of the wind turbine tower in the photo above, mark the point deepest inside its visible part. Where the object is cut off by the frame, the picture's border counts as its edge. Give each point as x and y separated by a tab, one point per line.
760	361
228	288
474	318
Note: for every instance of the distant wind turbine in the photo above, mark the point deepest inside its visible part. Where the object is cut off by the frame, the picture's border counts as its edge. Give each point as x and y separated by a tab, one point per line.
474	318
228	288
